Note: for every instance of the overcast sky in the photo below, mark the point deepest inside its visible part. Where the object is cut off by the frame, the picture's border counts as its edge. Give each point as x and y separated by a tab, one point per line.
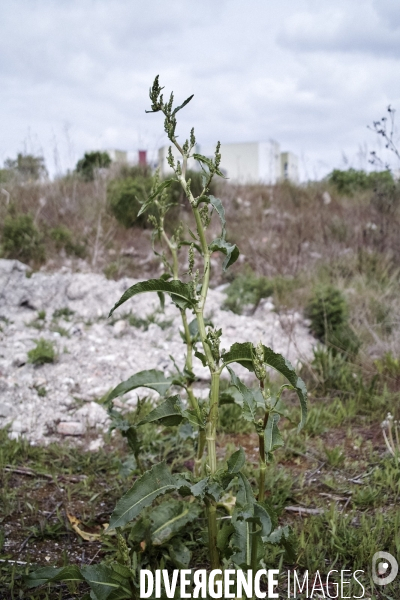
311	74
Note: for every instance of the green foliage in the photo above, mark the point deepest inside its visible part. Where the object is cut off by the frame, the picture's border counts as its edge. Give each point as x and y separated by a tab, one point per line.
21	239
247	289
92	162
64	238
125	198
26	167
328	312
351	181
42	353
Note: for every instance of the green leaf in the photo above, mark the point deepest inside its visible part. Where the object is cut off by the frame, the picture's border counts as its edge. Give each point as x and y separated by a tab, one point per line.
217	205
179	553
199	489
263	519
283	366
236	461
147	488
169	412
106	583
165	184
182	105
231	251
244	496
181	293
241	354
170	518
53	574
155	380
201	357
249	408
223	536
272	435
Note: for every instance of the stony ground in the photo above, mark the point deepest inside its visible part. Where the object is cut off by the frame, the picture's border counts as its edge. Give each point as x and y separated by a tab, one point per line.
93	354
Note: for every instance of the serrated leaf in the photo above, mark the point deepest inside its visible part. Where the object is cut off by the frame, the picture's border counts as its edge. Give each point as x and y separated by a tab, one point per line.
168	412
181	293
169	518
53	574
153	379
178	108
240	353
199	489
236	461
231	251
160	188
249	408
147	488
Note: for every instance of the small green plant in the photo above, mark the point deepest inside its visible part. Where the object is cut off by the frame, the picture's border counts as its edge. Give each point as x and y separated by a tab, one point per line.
64	239
247	290
42	353
328	313
218	488
21	239
63	313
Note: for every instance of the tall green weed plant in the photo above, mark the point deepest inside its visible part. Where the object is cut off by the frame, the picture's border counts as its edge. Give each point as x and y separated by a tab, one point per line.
241	525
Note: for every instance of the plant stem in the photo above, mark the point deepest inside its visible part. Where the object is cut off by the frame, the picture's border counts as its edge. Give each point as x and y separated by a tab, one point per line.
263	468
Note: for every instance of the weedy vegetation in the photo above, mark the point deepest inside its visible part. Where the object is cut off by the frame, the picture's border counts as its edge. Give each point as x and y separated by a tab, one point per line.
226	480
214	488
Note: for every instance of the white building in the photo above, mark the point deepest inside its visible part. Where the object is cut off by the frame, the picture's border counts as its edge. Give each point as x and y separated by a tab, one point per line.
243	163
118	156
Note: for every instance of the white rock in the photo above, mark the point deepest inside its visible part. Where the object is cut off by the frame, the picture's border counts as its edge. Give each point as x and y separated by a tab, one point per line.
92	414
70	428
5	410
96	445
120	326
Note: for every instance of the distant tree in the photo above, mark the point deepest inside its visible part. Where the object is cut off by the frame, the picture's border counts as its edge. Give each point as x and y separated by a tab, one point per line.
90	162
26	167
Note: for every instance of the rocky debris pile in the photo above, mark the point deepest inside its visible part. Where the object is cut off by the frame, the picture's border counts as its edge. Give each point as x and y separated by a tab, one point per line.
93	354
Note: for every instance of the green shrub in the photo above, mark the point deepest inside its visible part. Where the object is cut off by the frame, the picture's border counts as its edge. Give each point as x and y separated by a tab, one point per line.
91	161
63	238
328	313
247	289
21	239
125	197
43	352
351	181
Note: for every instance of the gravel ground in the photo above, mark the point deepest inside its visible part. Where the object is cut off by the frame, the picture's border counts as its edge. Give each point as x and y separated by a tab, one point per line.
57	400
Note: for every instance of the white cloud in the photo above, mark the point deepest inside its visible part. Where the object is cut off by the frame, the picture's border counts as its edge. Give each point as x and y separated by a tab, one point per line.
311	74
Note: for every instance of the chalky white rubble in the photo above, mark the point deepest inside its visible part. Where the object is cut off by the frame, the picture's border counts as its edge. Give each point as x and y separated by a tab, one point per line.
59	399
